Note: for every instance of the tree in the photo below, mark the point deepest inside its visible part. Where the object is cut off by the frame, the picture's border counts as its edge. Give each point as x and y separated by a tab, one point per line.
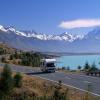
58	94
6	82
63	68
93	67
68	68
11	57
87	66
79	67
3	59
18	80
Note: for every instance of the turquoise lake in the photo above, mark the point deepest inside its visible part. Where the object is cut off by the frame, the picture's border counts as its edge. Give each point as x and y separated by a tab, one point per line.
74	61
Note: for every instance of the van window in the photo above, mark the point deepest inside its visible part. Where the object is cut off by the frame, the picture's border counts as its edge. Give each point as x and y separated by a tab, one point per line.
50	65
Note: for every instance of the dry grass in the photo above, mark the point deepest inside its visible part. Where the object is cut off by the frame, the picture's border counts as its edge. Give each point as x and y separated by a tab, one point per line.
33	85
41	87
1	69
7	48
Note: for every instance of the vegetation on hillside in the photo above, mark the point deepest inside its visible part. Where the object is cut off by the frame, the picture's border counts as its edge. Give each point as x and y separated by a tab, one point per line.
23	58
7	82
4	49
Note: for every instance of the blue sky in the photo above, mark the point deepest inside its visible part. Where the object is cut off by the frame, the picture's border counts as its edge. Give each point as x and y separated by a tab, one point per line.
46	16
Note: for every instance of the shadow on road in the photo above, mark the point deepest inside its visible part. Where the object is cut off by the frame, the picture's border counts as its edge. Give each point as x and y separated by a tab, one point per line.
37	73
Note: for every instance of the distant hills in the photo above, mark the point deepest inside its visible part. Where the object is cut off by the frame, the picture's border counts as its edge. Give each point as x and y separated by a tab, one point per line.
65	42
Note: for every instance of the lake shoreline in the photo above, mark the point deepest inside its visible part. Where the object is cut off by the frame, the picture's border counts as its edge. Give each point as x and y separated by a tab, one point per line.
59	54
78	54
73	61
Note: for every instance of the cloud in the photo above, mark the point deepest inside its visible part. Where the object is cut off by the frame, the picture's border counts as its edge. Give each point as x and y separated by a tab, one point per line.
80	23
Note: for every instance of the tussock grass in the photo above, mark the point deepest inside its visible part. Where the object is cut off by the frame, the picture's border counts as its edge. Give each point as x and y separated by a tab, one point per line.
35	88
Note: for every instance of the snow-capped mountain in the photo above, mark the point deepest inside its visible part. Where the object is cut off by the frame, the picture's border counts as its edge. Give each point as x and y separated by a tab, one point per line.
65	42
94	34
2	28
65	36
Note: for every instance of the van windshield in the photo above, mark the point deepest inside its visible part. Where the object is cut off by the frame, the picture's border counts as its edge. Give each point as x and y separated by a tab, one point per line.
50	65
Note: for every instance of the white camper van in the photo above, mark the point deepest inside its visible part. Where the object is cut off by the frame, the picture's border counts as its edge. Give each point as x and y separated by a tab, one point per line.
48	65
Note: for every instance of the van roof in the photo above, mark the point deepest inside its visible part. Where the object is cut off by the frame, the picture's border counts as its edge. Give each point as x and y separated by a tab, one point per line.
48	60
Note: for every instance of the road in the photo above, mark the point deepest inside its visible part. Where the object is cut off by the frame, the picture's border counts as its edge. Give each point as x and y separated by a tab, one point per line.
78	81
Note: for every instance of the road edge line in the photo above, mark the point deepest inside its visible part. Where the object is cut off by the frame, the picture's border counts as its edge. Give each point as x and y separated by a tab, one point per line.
68	85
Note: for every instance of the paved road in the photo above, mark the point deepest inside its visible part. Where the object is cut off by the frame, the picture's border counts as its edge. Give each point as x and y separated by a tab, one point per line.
77	81
22	69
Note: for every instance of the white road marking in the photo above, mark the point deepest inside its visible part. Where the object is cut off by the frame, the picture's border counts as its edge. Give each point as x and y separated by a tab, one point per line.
67	77
80	75
87	82
90	76
68	85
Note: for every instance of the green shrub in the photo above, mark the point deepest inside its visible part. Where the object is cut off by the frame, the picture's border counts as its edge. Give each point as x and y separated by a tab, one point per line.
18	80
93	67
87	66
58	94
3	59
6	82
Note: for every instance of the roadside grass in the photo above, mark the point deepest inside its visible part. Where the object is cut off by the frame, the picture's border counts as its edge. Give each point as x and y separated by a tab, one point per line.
36	88
70	71
1	69
43	87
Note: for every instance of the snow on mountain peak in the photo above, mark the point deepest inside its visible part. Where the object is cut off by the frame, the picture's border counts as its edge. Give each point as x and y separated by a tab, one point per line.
62	37
2	28
11	28
65	33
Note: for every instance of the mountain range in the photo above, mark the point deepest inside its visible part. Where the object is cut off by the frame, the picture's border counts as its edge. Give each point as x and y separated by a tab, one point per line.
65	42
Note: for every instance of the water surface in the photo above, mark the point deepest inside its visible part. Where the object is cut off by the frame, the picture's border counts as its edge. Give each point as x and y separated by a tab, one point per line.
74	61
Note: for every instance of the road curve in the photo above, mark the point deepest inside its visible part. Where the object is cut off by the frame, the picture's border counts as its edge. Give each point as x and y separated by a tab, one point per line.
77	81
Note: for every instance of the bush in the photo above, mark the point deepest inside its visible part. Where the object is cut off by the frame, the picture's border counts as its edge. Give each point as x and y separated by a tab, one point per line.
18	80
93	67
11	57
87	67
58	94
6	82
26	58
3	59
79	67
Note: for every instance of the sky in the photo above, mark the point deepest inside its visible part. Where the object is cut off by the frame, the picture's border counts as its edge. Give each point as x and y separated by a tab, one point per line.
51	16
